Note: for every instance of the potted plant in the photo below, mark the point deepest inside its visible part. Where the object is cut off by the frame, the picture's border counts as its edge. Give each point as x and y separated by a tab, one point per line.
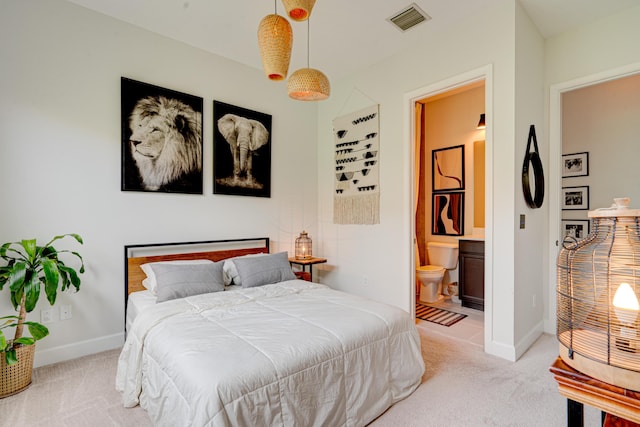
28	266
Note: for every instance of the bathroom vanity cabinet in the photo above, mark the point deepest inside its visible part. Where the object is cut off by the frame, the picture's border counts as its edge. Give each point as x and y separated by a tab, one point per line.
471	272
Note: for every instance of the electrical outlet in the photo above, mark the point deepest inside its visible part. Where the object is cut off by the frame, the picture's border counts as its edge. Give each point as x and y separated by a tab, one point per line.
46	316
65	312
365	280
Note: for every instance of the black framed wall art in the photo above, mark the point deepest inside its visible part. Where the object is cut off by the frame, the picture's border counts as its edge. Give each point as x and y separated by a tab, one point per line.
575	198
447	214
575	164
241	151
161	139
576	228
447	168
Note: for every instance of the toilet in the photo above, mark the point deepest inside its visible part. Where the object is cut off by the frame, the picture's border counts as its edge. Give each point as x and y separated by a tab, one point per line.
443	256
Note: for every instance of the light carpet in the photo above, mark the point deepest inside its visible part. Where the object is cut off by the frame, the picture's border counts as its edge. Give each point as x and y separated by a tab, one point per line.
462	386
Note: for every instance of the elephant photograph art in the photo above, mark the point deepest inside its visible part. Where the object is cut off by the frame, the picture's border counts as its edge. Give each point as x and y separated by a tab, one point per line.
241	151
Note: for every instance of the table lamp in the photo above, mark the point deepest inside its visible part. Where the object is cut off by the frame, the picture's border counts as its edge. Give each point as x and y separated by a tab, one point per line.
597	292
303	246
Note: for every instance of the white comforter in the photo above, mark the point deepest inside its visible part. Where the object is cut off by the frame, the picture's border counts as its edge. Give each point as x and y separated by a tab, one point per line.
289	354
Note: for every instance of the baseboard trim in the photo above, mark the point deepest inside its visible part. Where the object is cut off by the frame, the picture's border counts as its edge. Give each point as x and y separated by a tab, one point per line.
527	341
79	349
501	350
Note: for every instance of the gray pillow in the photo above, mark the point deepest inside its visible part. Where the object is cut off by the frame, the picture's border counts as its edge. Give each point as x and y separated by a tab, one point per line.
179	281
263	270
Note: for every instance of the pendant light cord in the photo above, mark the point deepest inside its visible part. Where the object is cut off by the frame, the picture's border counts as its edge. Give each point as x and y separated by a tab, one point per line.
308	32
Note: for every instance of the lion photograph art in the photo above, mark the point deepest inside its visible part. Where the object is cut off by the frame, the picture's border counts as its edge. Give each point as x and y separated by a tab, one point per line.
241	151
161	139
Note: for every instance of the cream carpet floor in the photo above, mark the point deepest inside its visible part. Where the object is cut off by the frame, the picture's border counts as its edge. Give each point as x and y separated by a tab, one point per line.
462	386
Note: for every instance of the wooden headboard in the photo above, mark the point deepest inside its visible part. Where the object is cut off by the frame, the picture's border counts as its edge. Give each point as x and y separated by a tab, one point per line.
215	250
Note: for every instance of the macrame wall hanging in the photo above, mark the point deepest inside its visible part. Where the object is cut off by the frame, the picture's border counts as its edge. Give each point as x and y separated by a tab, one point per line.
357	190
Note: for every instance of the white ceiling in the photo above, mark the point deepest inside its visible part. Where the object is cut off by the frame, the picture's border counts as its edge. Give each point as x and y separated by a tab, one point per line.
346	35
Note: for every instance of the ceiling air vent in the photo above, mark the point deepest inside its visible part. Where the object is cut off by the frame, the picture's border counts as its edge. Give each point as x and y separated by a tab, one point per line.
409	17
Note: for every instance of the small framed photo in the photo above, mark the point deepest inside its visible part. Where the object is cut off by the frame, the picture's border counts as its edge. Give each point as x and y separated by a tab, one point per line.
575	198
578	228
576	164
448	214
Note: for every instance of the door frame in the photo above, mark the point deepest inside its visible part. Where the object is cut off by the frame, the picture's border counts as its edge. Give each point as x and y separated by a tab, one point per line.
555	170
485	74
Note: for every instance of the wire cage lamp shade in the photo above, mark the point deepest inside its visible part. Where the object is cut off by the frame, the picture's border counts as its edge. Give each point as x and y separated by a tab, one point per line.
304	245
298	10
597	294
275	39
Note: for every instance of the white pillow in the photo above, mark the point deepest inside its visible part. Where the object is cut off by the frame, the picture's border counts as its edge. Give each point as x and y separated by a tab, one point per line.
230	272
151	283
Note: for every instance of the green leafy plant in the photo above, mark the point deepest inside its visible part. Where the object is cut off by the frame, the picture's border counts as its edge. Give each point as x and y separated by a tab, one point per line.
28	266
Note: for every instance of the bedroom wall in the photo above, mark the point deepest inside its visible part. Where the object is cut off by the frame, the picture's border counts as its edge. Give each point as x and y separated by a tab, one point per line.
374	260
60	155
603	120
530	240
604	49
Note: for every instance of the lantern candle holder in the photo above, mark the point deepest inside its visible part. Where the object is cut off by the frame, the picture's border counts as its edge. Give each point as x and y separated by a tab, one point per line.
597	293
303	246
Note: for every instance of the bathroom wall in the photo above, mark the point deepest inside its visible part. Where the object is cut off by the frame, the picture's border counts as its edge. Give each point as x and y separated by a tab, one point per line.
451	119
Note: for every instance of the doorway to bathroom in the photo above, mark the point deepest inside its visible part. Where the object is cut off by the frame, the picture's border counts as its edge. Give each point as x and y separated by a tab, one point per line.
449	196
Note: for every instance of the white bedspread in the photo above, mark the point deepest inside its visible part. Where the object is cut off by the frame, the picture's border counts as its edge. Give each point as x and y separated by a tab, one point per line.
289	354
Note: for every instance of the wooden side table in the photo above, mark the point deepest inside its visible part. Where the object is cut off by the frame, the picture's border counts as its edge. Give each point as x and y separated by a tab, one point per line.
307	262
620	407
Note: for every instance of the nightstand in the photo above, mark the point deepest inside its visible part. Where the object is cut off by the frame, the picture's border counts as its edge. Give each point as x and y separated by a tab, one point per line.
307	262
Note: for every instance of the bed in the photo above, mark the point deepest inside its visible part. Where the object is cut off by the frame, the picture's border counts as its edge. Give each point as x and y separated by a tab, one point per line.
263	348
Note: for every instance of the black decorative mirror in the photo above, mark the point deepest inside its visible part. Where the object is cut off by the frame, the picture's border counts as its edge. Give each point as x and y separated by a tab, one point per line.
532	159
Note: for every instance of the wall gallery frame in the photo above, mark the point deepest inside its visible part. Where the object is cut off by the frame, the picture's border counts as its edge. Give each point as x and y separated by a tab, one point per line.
241	151
447	168
447	214
161	139
576	228
576	164
575	198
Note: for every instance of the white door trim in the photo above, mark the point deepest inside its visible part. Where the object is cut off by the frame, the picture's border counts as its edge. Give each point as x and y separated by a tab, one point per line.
483	73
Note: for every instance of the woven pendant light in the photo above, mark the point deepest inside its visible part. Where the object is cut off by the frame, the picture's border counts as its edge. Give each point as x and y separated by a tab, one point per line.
308	84
298	10
275	39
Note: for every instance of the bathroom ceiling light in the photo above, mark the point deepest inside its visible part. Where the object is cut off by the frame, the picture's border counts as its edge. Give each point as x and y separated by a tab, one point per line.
481	124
